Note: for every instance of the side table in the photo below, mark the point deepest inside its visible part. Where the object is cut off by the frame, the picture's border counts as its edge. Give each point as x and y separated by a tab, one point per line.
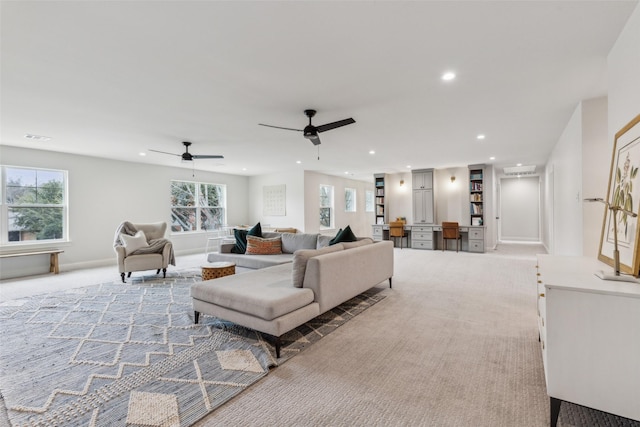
215	270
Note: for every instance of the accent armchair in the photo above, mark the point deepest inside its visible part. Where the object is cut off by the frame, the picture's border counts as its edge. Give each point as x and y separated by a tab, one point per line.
142	247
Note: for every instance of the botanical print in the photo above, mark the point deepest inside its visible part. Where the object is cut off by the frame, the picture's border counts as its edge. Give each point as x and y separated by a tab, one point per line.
623	195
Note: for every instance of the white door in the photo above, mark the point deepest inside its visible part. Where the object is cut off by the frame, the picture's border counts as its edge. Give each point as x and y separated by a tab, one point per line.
520	209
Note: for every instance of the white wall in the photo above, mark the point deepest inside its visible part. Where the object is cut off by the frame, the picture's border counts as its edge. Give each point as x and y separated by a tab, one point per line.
622	76
452	199
294	182
400	199
103	193
597	151
520	209
566	164
360	221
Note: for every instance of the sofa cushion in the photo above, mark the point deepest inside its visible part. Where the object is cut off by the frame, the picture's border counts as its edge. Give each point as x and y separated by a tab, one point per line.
133	243
301	257
294	242
241	238
345	235
265	293
359	242
323	241
261	246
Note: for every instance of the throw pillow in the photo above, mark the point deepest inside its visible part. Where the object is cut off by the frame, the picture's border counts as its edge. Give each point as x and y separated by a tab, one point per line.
261	246
345	236
300	259
333	241
133	243
241	238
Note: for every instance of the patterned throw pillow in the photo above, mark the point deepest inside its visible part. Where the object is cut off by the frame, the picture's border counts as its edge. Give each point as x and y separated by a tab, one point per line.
261	246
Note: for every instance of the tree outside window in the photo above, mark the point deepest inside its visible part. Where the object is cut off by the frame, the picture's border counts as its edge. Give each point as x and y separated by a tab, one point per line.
34	204
349	199
326	206
191	201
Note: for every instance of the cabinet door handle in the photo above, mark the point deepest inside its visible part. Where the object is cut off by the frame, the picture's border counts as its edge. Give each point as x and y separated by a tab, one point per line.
541	295
537	274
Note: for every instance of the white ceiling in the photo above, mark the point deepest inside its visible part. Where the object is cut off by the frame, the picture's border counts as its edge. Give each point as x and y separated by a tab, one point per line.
112	79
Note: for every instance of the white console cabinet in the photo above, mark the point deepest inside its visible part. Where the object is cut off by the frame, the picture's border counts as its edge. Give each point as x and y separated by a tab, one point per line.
590	336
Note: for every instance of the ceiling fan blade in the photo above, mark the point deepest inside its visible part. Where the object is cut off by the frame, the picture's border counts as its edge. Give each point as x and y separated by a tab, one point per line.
339	123
207	156
279	127
164	152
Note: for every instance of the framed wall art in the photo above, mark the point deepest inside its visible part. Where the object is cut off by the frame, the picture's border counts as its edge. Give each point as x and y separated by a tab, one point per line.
624	192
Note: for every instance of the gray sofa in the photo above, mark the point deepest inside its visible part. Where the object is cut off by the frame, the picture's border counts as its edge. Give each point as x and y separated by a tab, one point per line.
269	300
291	242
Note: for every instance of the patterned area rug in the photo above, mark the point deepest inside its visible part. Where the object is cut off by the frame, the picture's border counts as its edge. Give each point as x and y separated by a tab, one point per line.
129	354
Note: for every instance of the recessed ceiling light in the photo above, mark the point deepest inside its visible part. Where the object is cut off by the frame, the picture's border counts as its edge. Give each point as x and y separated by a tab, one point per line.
372	152
346	173
492	158
37	137
142	154
408	166
481	136
244	169
519	164
449	75
298	161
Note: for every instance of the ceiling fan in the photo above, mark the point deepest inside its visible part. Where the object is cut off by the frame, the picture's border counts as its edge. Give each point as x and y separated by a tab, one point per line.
187	156
310	131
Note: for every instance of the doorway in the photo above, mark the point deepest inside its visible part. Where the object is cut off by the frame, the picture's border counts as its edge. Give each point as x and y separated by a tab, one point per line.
519	209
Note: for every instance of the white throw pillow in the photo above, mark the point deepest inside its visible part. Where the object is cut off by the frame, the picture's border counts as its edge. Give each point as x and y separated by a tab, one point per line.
133	243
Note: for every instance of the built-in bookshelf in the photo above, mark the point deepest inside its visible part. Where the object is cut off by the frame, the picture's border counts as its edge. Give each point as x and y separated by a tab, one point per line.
381	200
476	194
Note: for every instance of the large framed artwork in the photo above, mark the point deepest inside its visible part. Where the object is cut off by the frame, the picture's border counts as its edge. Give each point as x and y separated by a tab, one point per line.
623	192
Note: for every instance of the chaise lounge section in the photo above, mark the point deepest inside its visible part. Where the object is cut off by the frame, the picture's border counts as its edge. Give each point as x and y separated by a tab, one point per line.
277	299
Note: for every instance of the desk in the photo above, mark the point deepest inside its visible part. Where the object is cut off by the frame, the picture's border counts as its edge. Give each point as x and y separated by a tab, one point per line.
429	236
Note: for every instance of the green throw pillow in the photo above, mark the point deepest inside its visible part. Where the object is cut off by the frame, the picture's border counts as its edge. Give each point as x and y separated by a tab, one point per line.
345	235
335	238
241	238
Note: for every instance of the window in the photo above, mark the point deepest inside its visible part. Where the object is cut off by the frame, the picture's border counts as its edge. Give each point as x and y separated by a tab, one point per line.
368	201
191	200
34	205
326	206
349	199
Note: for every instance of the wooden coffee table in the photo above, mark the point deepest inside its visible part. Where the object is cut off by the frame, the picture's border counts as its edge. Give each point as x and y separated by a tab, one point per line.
215	270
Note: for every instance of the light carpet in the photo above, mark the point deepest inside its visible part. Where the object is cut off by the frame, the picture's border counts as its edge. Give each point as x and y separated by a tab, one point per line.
130	354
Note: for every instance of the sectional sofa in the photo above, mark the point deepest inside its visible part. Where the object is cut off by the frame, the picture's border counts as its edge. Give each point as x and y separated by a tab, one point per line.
296	287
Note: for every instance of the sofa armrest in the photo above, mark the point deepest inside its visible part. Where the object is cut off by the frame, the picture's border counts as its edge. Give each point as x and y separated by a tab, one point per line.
120	255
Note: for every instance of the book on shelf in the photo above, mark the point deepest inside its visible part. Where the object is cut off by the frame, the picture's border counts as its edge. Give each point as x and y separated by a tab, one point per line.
476	197
380	192
475	177
380	210
476	186
476	209
380	220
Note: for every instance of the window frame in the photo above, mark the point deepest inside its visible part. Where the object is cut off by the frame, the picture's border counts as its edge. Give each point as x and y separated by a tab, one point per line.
6	207
197	206
330	205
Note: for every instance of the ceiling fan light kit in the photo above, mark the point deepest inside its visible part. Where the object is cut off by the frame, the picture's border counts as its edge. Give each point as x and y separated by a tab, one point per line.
310	131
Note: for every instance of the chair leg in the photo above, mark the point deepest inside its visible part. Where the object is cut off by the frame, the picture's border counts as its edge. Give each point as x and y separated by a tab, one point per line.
196	317
164	273
129	274
158	272
122	275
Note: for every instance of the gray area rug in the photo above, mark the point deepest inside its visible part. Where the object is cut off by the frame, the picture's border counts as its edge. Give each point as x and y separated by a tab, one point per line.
129	354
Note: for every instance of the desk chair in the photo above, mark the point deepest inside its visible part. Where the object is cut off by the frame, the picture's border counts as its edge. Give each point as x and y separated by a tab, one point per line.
396	229
451	231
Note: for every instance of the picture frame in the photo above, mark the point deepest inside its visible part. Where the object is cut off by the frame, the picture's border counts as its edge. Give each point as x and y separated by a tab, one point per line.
623	191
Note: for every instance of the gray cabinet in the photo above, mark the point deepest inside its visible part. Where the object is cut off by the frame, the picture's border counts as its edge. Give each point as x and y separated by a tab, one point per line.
422	237
423	204
377	232
422	179
476	239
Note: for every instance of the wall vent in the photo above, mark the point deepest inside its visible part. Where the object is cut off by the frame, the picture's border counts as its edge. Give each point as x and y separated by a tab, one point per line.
520	170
